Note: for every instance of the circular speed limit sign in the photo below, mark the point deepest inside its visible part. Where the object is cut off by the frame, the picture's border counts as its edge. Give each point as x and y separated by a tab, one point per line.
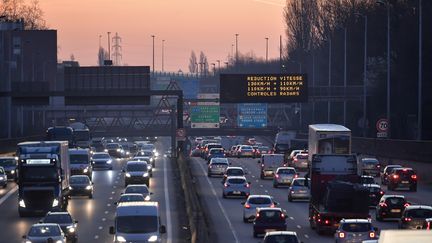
382	125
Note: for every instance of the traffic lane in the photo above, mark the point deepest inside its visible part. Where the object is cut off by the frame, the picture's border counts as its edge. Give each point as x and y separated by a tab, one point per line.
4	191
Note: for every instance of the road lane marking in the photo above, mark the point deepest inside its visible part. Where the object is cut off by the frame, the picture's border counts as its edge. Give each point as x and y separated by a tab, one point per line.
167	204
291	217
103	219
220	205
96	237
8	194
261	185
307	236
298	226
265	191
100	227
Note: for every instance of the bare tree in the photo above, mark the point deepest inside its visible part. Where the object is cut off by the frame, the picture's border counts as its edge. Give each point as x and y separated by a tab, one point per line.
192	63
204	63
31	13
102	56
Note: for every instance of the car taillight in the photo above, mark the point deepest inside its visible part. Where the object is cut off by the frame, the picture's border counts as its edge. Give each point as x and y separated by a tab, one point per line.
414	177
382	192
296	175
262	165
247	185
326	221
295	159
341	235
226	185
406	204
395	176
282	216
257	216
247	206
372	234
383	205
407	219
277	176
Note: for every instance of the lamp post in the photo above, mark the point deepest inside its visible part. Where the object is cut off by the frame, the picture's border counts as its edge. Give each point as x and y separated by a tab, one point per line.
109	46
420	76
364	73
153	37
266	48
214	69
236	47
218	61
163	42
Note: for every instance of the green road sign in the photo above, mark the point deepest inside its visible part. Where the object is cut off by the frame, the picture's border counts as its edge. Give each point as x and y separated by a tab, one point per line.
205	116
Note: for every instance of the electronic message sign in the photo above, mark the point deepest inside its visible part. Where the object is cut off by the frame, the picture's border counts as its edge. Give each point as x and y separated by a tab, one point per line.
263	88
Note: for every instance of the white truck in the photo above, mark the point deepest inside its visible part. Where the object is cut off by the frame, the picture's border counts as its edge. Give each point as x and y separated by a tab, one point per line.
269	164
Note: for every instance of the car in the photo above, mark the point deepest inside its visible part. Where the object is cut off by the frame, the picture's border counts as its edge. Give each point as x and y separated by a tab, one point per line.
67	224
263	150
245	151
136	172
141	189
370	166
299	189
269	219
216	153
281	236
414	215
80	185
3	178
44	232
148	160
208	147
284	176
102	160
150	147
131	197
387	170
293	154
355	230
390	206
366	179
269	164
217	166
300	161
427	224
148	153
80	164
253	202
402	178
195	152
251	141
375	194
233	171
114	149
9	164
236	186
231	152
198	140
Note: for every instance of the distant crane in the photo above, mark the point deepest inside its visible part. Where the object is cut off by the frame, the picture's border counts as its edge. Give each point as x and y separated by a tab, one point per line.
117	50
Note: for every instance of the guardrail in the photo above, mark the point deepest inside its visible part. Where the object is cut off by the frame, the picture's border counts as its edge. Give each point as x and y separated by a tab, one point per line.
8	145
197	223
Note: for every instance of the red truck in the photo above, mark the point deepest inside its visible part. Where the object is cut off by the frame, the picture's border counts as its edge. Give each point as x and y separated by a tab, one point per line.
335	190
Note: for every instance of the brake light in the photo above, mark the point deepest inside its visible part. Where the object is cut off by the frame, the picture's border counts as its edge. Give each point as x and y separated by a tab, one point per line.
296	175
406	204
257	215
383	205
407	219
247	205
395	176
277	176
226	185
247	185
326	221
382	192
262	165
282	216
341	235
372	234
414	177
428	226
272	205
295	159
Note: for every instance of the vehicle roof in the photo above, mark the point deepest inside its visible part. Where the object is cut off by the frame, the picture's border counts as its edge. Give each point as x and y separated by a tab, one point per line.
135	162
355	221
269	209
396	166
78	151
413	207
131	194
281	233
59	213
260	196
402	168
284	167
218	160
393	195
236	177
113	143
43	143
401	236
234	167
136	185
101	153
372	185
137	208
329	127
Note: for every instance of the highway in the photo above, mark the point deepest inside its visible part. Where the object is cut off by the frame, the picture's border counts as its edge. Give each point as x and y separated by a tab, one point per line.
97	214
225	215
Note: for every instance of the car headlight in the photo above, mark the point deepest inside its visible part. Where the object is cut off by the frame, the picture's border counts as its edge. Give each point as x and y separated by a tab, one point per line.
109	161
128	175
59	241
147	198
165	155
22	203
105	150
2	178
55	203
118	150
146	174
120	239
71	229
153	238
151	159
70	188
27	241
89	187
127	152
149	167
12	172
85	170
156	154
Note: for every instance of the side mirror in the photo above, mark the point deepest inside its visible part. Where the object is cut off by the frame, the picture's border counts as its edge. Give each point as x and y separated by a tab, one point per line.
162	229
111	230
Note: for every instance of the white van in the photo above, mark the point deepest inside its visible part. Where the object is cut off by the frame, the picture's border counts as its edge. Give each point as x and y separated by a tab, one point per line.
137	222
269	164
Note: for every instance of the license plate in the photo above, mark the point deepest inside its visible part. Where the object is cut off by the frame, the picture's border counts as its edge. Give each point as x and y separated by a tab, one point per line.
302	191
236	192
405	182
395	210
287	181
269	230
372	195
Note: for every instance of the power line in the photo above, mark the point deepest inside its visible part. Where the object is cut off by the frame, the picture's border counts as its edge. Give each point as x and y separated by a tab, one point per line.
117	50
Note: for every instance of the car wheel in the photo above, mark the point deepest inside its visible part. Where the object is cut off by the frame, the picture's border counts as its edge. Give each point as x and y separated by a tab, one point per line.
91	196
255	235
289	198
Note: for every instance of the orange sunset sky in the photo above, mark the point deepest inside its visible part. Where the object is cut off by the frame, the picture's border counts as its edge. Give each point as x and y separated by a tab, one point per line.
185	25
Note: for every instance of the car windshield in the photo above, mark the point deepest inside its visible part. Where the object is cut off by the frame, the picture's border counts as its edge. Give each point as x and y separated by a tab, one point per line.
263	148
246	148
356	227
282	146
374	189
216	151
405	172
286	171
113	146
281	239
419	213
101	156
58	218
146	159
7	162
395	201
302	156
390	169
147	147
38	173
79	180
236	181
260	200
299	182
219	163
370	161
367	180
137	189
137	167
131	198
137	224
145	153
79	158
42	231
219	160
235	172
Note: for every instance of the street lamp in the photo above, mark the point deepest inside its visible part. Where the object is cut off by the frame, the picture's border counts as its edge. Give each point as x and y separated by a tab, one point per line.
153	53
236	47
163	42
364	71
266	48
